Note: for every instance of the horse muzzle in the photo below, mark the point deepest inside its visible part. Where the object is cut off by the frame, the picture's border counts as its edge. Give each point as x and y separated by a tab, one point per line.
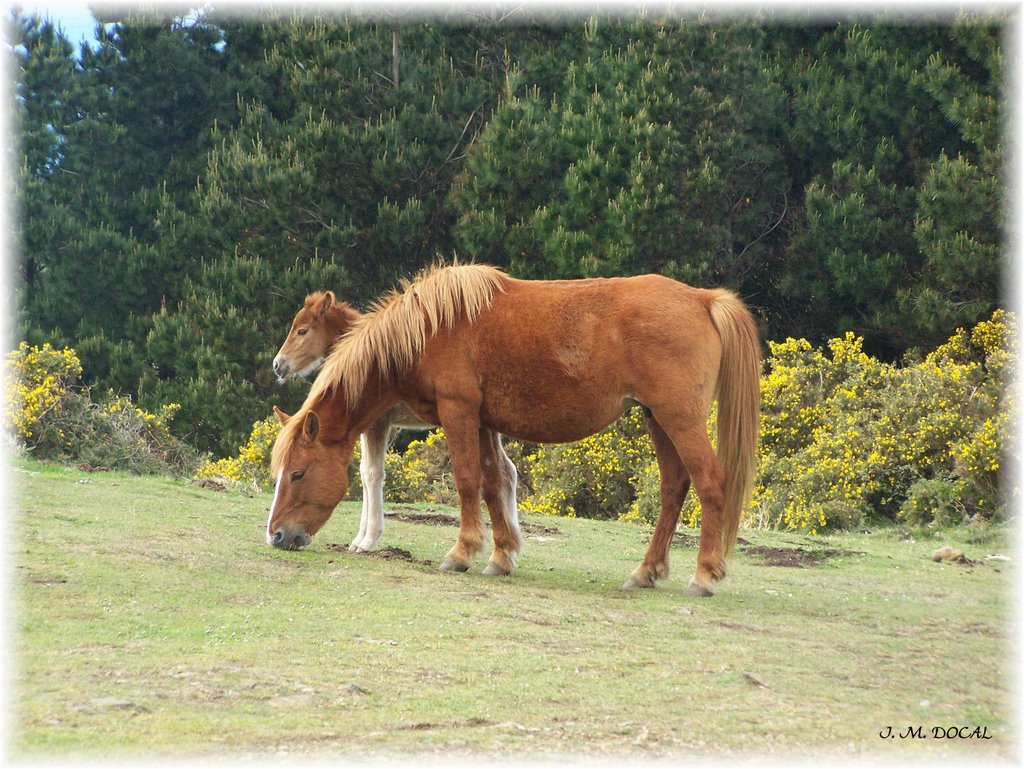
282	367
289	538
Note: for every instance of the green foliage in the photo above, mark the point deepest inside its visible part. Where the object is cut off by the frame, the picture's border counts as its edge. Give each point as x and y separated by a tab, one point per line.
421	473
846	436
939	502
660	135
899	230
36	380
592	478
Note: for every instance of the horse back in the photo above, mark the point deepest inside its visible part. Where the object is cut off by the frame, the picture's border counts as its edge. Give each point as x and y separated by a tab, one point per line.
558	360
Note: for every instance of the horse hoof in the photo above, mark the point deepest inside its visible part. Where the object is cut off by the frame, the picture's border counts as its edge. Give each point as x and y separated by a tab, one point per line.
450	564
700	589
496	571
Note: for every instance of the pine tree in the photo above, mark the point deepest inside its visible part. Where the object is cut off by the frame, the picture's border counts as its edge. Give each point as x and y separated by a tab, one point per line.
129	140
898	238
333	178
657	154
44	108
960	208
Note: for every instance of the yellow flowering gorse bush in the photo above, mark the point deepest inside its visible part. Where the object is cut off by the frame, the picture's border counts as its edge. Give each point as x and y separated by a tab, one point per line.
251	466
37	378
53	416
923	441
592	478
421	473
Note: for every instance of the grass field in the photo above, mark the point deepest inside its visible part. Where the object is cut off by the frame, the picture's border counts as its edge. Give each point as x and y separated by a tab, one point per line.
149	618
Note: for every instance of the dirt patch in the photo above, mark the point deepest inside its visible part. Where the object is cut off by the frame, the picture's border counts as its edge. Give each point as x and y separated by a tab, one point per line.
432	519
736	626
537	528
687	541
395	554
425	725
386	553
795	557
692	541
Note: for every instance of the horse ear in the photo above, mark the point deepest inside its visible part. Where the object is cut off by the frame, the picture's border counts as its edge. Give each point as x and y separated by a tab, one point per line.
281	416
326	302
311	426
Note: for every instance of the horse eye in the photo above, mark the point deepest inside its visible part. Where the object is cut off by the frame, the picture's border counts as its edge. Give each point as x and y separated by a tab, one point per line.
302	331
298	475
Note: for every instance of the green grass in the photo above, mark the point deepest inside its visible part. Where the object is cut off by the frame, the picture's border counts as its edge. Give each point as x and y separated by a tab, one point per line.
150	618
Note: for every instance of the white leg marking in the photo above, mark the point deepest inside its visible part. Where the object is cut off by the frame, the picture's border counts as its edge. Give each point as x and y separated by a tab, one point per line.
510	478
273	504
374	444
354	545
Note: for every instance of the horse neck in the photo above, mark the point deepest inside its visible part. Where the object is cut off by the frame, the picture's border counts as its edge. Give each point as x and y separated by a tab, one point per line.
378	397
339	318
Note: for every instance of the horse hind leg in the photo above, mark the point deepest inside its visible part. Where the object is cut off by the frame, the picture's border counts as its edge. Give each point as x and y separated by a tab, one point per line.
499	490
675	483
690	438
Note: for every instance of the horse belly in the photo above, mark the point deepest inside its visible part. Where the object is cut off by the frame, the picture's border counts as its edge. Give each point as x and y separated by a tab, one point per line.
549	399
545	421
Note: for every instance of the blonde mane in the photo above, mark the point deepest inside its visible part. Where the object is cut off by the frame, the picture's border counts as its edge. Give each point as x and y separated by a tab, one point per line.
283	445
392	335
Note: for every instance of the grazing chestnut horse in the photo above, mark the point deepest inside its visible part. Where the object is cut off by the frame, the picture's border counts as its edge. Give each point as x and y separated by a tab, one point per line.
320	322
545	361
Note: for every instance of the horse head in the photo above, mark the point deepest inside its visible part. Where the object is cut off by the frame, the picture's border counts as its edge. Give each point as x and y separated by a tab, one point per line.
315	328
311	467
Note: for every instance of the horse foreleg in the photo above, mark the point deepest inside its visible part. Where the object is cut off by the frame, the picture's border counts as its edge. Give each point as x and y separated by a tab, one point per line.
462	432
374	446
675	483
499	487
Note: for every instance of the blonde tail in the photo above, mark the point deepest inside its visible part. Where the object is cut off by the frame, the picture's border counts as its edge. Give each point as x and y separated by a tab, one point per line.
739	406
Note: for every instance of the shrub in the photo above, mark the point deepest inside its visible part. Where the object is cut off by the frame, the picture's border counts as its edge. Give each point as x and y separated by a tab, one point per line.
54	417
422	473
940	501
847	436
37	379
251	466
592	478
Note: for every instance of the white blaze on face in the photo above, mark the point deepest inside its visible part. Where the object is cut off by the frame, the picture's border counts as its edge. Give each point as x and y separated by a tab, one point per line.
273	504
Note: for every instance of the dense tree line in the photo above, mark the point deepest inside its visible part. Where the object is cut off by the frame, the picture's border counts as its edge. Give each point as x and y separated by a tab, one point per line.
186	180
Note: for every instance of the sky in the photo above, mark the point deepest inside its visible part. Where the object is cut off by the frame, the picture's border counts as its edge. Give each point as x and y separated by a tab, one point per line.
72	16
78	23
